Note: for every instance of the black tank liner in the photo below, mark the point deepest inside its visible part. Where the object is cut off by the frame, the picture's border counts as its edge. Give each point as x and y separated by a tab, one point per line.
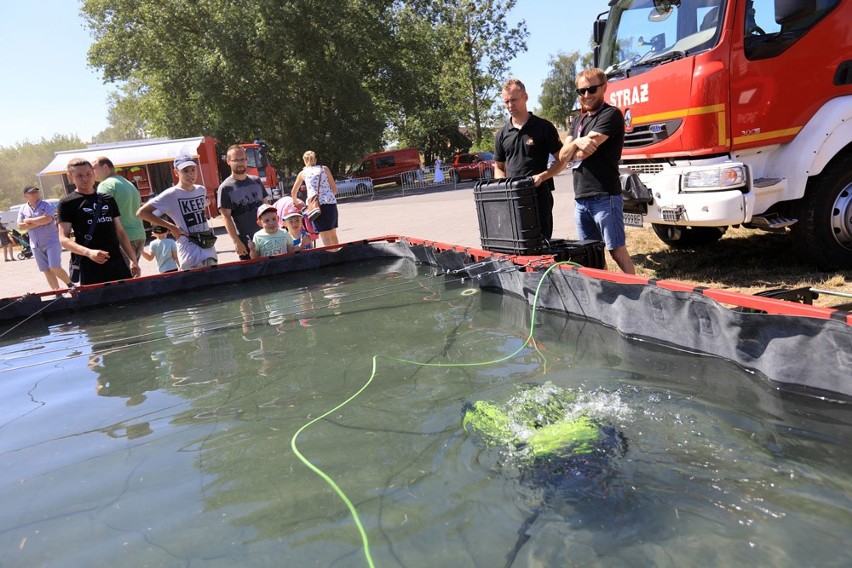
797	346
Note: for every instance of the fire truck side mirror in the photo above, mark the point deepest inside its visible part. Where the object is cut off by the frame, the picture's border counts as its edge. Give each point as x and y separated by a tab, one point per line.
598	31
787	11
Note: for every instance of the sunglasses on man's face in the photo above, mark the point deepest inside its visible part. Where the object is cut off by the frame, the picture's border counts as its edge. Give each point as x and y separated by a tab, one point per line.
591	89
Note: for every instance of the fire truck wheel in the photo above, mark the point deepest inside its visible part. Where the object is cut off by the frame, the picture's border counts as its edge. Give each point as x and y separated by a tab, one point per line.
824	231
688	237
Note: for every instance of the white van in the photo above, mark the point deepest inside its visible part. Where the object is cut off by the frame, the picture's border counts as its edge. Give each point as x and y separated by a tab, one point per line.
10	217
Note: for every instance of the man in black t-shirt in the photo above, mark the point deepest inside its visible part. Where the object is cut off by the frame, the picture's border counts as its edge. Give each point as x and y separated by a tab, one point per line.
97	249
595	151
522	148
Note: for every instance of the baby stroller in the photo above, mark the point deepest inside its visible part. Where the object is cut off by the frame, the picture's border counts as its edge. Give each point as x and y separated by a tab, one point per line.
26	251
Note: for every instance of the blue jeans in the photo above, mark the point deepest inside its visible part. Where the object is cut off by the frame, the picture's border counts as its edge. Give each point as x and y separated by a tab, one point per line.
601	218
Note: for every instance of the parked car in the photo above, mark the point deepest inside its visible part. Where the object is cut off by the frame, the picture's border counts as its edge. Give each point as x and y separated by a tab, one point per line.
386	167
473	166
353	187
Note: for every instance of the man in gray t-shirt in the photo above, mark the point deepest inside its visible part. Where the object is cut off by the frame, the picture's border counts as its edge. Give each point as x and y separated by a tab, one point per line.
239	197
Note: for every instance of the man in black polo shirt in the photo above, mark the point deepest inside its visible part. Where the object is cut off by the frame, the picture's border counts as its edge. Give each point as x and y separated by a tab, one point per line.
595	150
522	148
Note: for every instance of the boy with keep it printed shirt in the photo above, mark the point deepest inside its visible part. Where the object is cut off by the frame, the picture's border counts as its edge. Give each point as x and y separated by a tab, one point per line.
186	205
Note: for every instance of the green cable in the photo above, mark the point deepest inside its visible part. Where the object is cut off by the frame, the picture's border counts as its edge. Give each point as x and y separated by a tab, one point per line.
325	477
365	541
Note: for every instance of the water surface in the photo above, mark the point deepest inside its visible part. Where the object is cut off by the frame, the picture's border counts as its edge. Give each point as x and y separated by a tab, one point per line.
160	432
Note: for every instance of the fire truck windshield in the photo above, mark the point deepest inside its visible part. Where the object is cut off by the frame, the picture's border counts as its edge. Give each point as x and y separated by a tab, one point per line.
253	158
641	34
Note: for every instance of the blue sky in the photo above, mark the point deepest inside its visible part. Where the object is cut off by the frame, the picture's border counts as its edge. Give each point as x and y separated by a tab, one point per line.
48	88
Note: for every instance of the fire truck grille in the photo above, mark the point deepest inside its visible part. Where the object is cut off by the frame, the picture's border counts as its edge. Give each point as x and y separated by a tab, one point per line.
672	214
647	134
644	167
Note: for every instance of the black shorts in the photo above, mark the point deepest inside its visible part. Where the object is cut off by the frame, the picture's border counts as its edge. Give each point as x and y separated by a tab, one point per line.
328	220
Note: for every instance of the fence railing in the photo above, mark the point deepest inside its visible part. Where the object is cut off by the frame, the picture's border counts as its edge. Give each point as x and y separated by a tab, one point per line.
355	187
422	178
427	177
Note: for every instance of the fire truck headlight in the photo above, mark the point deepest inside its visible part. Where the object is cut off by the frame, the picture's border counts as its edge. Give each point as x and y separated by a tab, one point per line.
714	179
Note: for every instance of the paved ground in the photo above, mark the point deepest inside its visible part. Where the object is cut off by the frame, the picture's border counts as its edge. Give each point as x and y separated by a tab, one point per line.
445	215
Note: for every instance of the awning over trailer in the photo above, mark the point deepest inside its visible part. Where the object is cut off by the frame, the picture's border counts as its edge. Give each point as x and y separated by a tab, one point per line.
136	153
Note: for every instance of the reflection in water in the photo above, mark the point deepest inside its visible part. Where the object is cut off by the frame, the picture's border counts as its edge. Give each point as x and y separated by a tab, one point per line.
183	455
202	350
121	371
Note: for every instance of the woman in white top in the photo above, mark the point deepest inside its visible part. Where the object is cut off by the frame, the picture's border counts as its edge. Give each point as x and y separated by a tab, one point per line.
439	171
319	181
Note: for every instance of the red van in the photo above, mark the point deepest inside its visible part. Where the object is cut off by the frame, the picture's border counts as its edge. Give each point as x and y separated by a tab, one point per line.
387	167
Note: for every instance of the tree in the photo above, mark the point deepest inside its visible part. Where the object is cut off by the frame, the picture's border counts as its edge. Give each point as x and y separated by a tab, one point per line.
418	114
587	60
436	133
294	73
126	118
341	78
474	45
558	95
19	165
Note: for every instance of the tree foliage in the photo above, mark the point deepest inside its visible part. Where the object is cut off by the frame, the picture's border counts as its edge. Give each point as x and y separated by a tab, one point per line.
294	73
126	117
558	94
475	45
436	133
417	113
19	165
587	60
341	78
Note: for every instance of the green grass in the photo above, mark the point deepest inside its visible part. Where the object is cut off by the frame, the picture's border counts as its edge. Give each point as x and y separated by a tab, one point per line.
743	260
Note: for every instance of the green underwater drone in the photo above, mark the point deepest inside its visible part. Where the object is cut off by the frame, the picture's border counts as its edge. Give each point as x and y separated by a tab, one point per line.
545	437
542	421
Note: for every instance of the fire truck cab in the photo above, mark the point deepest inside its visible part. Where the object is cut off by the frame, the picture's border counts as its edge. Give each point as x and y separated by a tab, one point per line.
258	165
737	112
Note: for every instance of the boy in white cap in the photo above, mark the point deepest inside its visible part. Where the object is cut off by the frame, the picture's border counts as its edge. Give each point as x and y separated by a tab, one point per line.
270	239
186	205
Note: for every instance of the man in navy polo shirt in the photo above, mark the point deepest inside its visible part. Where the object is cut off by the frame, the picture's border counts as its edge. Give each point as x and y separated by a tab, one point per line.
523	147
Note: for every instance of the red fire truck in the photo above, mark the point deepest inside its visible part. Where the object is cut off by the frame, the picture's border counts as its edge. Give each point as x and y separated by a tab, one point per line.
738	112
